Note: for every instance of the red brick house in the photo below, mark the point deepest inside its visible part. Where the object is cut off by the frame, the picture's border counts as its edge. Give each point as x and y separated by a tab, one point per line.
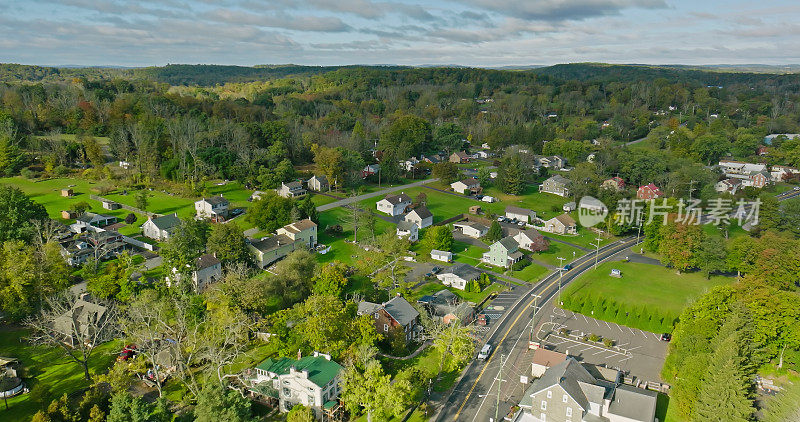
394	315
649	191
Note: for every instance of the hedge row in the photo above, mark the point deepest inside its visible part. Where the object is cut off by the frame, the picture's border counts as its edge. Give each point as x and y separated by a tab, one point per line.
606	309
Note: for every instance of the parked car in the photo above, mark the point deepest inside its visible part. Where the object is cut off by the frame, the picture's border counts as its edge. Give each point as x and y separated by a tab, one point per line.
666	337
486	350
501	219
127	352
521	223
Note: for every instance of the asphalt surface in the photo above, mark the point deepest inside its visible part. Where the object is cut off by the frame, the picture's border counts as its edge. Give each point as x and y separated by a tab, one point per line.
475	395
359	198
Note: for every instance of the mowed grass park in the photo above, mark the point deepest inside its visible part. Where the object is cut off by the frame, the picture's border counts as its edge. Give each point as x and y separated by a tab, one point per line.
649	297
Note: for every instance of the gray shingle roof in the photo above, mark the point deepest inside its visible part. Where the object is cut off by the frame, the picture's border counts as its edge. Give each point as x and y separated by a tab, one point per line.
633	403
405	226
465	271
422	212
401	310
517	210
206	261
397	199
508	243
167	222
216	200
271	243
558	179
567	374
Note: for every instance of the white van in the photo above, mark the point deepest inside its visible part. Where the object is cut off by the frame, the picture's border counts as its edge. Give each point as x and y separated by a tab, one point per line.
486	350
489	199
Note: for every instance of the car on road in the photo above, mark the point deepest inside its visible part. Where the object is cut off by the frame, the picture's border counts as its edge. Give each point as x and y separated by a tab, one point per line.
486	350
567	267
796	188
666	337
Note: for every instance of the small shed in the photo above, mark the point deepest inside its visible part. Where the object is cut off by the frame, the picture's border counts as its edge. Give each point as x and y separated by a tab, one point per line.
111	205
68	215
475	209
444	256
616	273
67	192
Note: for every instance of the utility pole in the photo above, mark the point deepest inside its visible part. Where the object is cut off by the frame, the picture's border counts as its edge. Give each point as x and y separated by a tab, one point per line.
560	274
691	188
639	230
499	382
597	251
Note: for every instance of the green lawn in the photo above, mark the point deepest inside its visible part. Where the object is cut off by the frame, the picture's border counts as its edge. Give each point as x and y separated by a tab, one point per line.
341	250
531	273
475	297
557	249
652	286
49	367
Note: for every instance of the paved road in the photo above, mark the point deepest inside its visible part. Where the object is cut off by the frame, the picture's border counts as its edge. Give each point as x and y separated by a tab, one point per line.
359	198
475	393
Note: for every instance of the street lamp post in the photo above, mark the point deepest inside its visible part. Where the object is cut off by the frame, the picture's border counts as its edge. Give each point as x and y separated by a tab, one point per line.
560	274
597	251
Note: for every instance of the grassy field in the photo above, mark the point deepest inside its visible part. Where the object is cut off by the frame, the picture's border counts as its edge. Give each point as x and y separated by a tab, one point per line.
341	250
47	366
653	287
557	249
475	297
531	273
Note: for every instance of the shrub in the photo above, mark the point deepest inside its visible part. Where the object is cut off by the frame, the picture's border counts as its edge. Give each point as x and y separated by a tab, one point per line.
594	337
519	265
333	230
608	342
27	173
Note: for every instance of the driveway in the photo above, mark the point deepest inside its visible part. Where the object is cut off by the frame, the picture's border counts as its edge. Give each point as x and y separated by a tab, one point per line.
153	263
382	192
640	353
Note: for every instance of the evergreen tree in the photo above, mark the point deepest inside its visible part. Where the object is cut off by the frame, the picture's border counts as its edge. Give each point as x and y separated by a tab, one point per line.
495	232
512	175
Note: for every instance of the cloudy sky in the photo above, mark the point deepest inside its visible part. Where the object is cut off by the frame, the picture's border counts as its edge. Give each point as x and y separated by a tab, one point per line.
410	32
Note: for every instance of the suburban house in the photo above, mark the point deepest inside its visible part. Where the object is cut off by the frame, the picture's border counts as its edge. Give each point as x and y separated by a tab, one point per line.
394	205
466	186
291	190
557	185
407	228
615	183
754	175
79	321
484	154
459	157
215	208
312	381
471	229
568	391
106	245
781	173
649	191
410	164
303	231
161	228
503	253
544	359
730	186
370	170
561	224
268	250
444	306
531	240
433	159
111	205
444	256
90	219
318	183
208	269
458	275
421	216
396	315
555	162
520	214
68	214
758	179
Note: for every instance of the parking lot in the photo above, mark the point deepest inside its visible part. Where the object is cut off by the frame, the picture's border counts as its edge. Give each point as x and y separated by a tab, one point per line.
498	306
639	353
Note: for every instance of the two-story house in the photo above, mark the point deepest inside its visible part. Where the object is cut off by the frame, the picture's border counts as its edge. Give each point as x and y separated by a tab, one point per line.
291	189
555	162
214	208
503	253
421	216
393	316
615	183
520	214
312	381
649	191
304	231
269	250
161	228
459	157
568	392
557	185
407	229
561	224
394	205
207	269
318	183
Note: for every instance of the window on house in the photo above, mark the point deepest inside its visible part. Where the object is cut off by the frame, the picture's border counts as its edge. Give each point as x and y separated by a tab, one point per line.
310	400
385	327
569	412
376	315
542	417
544	404
549	394
287	392
565	398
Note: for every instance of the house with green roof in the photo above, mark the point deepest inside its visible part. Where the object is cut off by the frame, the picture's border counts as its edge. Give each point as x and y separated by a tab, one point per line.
312	381
160	228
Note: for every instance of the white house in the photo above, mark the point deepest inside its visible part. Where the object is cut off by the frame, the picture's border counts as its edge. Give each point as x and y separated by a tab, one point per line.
531	240
291	190
777	173
520	214
728	185
301	231
208	269
444	256
311	381
394	205
215	208
407	228
318	183
421	216
561	224
458	275
160	228
471	229
466	186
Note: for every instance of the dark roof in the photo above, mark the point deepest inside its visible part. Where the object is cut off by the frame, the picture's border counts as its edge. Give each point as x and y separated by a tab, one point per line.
216	200
405	226
568	374
271	243
558	179
422	211
166	222
397	199
321	371
89	217
322	178
633	403
464	271
206	261
517	210
508	243
367	308
401	310
293	185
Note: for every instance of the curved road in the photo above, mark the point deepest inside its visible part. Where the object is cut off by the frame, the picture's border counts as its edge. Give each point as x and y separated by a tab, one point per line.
474	397
359	198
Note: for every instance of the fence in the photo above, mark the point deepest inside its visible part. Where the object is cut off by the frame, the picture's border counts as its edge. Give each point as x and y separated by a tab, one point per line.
139	243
